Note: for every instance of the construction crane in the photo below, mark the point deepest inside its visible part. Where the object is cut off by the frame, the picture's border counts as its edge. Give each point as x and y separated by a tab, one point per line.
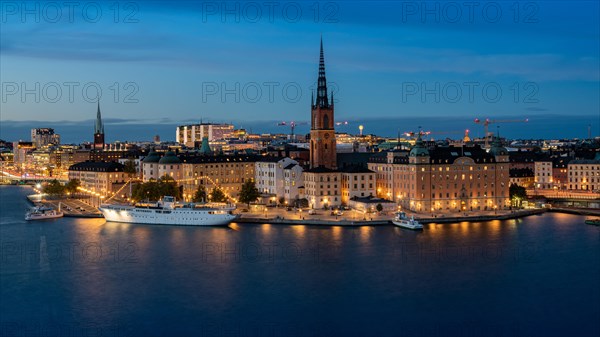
412	134
488	121
292	126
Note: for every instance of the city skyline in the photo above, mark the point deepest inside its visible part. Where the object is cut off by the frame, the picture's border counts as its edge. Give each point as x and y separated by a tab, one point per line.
546	68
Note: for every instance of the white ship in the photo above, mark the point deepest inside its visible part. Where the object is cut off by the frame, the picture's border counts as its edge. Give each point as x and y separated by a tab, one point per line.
43	213
401	220
167	212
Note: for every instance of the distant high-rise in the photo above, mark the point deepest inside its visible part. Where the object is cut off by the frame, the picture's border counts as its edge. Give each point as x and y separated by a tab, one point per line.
41	137
322	133
192	135
98	131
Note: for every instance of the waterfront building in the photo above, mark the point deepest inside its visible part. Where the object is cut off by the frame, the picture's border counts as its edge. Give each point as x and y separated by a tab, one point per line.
584	174
103	178
444	178
322	187
278	177
42	137
357	182
226	172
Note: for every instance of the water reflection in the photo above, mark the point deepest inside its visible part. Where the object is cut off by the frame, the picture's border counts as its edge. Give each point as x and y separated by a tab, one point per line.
191	277
336	232
299	231
365	234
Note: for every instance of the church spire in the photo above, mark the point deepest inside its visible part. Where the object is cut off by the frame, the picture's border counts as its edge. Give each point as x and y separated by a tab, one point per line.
322	100
99	127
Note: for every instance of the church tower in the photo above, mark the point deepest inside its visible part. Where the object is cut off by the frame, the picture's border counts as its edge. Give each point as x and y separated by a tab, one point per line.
322	133
98	131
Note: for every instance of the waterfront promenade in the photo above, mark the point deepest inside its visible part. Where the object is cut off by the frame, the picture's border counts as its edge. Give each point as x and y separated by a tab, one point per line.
273	215
73	207
280	216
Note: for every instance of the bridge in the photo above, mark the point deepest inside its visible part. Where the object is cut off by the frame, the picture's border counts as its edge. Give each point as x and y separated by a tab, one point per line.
7	176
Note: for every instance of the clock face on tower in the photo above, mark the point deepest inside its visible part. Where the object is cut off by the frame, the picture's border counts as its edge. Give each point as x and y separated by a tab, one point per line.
326	136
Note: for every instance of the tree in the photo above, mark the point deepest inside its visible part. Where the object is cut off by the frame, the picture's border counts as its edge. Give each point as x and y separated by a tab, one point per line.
130	168
302	203
168	186
379	207
517	194
72	186
200	194
216	195
249	193
54	188
281	200
155	190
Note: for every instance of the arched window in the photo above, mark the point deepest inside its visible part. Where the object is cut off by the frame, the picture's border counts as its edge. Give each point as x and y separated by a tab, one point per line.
326	122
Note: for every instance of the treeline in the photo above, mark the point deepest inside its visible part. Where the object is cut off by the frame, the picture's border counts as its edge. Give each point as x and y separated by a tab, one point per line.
56	189
155	190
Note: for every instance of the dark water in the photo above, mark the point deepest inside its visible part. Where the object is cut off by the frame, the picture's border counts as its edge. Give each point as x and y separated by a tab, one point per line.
538	276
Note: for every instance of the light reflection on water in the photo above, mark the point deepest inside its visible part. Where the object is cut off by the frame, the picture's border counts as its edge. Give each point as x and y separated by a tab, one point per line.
307	280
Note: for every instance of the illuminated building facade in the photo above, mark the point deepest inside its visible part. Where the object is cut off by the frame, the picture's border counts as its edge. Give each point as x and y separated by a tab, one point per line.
584	174
227	172
104	178
445	178
42	137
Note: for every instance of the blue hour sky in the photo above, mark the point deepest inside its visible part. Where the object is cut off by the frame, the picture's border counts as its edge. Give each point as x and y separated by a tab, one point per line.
394	65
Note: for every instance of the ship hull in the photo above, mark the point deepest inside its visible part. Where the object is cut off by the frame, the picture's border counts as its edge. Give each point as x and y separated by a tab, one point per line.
43	217
177	217
407	225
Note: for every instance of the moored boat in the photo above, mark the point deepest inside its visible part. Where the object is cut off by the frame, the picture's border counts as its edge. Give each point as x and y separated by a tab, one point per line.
595	222
168	212
43	213
401	220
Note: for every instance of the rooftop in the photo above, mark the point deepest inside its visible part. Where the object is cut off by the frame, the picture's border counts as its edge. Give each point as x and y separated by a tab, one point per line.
97	166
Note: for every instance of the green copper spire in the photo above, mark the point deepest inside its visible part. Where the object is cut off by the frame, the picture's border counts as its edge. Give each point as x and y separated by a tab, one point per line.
205	148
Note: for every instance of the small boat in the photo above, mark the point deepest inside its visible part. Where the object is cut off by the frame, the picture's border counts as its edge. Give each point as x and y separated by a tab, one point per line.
43	213
401	220
595	222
